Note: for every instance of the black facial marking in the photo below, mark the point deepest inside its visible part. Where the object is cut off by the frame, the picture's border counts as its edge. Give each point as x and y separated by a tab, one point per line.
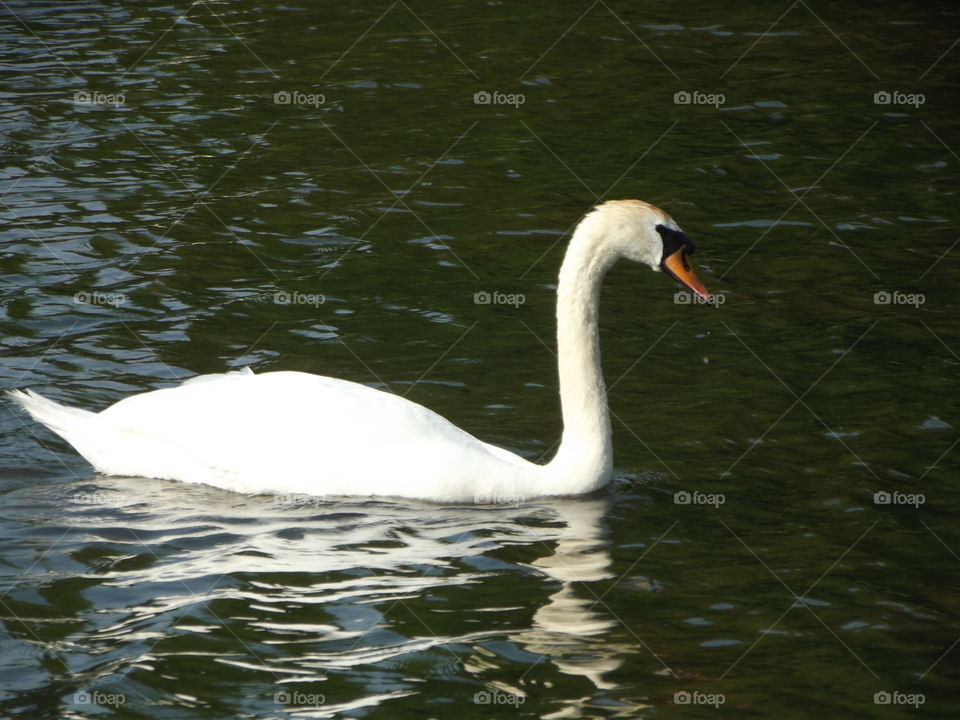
674	240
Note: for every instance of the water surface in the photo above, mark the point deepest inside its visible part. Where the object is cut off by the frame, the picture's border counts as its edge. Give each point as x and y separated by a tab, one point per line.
166	212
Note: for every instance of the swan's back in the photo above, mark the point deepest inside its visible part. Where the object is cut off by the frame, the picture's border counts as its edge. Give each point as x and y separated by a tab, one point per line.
286	432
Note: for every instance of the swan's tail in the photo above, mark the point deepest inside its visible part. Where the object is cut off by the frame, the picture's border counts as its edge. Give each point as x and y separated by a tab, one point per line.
111	450
72	424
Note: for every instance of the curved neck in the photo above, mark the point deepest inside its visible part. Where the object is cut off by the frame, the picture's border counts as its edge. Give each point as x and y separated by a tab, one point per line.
585	458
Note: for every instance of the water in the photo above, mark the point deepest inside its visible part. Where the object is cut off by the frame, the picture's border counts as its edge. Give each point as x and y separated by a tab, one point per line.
199	226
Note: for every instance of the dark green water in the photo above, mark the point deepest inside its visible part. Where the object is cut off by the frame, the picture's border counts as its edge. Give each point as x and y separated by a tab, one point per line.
146	241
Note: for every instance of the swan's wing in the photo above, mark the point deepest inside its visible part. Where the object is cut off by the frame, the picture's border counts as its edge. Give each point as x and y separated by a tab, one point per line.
295	432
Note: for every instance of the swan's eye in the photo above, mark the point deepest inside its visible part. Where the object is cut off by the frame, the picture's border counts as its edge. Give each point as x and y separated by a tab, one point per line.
674	240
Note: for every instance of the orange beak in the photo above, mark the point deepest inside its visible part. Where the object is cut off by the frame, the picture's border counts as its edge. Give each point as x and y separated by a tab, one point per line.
677	266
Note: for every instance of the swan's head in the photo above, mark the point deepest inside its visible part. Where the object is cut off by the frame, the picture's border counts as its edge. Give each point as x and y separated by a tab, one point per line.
644	233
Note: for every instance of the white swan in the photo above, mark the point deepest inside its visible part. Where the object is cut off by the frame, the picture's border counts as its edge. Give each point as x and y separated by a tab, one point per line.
292	432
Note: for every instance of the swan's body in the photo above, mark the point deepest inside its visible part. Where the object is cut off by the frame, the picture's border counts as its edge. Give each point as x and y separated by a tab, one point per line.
291	432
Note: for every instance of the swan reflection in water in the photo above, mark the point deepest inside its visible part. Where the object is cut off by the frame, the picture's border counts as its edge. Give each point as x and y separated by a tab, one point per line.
347	586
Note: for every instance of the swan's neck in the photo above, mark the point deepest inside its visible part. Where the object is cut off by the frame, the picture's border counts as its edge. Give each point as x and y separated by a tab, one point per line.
585	457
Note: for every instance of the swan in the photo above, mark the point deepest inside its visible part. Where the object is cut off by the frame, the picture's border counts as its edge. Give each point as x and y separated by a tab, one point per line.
298	433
